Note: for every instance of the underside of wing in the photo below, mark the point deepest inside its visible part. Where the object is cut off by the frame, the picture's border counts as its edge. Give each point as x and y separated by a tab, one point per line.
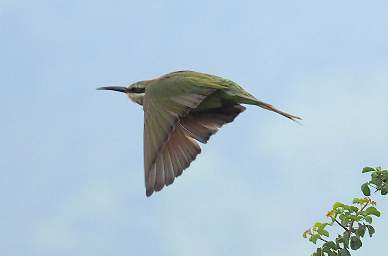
166	160
202	125
165	103
175	156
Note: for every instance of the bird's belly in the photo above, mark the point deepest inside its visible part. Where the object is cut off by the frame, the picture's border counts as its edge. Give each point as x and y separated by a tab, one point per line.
215	100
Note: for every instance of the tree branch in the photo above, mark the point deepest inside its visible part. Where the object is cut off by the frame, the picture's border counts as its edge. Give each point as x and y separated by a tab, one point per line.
323	239
339	223
358	213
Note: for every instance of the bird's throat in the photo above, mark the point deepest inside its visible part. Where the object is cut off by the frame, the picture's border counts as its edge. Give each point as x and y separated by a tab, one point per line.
136	97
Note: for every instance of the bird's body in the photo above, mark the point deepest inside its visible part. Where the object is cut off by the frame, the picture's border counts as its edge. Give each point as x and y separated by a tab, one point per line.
181	109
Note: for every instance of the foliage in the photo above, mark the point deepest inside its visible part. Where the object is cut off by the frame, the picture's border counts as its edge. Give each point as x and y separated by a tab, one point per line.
354	220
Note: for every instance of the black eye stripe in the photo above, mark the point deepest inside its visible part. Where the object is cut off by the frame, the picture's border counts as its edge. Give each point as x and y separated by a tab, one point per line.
136	90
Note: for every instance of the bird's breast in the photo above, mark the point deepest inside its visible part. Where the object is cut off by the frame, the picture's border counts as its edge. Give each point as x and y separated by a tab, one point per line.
136	97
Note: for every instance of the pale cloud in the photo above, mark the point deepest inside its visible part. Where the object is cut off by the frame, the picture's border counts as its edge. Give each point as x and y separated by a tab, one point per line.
54	235
344	128
345	118
72	158
314	165
59	231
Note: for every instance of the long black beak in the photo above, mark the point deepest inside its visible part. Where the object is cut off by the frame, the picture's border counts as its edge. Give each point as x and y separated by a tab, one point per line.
114	88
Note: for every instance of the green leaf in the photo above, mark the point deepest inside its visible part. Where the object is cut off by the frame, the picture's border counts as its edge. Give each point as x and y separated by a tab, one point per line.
338	241
376	179
338	205
368	219
385	176
314	238
331	245
353	209
368	169
373	211
360	201
330	248
365	189
359	218
317	225
384	189
324	233
371	230
346	239
343	252
355	243
361	230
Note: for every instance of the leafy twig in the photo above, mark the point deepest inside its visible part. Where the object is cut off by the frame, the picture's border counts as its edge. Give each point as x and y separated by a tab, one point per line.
361	211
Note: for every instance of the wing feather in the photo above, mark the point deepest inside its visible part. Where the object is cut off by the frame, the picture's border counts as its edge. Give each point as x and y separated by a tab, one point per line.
160	171
165	103
170	175
172	128
202	125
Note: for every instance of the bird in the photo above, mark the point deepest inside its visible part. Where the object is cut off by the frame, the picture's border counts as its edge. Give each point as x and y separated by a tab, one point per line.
181	110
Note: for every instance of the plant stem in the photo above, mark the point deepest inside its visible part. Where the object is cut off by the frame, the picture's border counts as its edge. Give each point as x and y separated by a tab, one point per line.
323	239
357	213
339	223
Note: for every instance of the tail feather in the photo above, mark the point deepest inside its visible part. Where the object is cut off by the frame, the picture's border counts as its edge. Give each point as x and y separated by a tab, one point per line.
251	100
272	108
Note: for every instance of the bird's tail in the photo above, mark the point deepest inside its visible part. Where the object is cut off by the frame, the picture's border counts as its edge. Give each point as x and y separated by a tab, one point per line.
272	108
251	100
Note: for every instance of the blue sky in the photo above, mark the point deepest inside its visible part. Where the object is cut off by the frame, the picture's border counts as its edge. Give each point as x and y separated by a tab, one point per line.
72	167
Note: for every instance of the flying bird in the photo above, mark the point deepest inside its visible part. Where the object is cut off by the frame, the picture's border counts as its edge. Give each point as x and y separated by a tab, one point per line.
181	109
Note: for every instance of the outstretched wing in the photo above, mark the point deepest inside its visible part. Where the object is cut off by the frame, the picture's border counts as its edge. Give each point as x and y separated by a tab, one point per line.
168	149
202	125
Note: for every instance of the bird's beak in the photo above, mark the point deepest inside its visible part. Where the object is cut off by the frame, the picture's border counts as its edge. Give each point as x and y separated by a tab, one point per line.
114	88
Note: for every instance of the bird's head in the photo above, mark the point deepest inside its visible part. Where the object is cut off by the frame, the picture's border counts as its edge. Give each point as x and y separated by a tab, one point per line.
135	91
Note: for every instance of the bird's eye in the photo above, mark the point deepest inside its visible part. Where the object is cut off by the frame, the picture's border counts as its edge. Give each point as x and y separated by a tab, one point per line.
136	90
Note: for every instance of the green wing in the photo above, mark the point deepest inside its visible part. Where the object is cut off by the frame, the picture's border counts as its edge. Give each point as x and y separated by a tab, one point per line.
168	149
172	125
232	91
172	128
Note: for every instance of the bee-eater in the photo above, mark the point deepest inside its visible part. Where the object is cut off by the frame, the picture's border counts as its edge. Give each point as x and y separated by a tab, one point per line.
181	109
